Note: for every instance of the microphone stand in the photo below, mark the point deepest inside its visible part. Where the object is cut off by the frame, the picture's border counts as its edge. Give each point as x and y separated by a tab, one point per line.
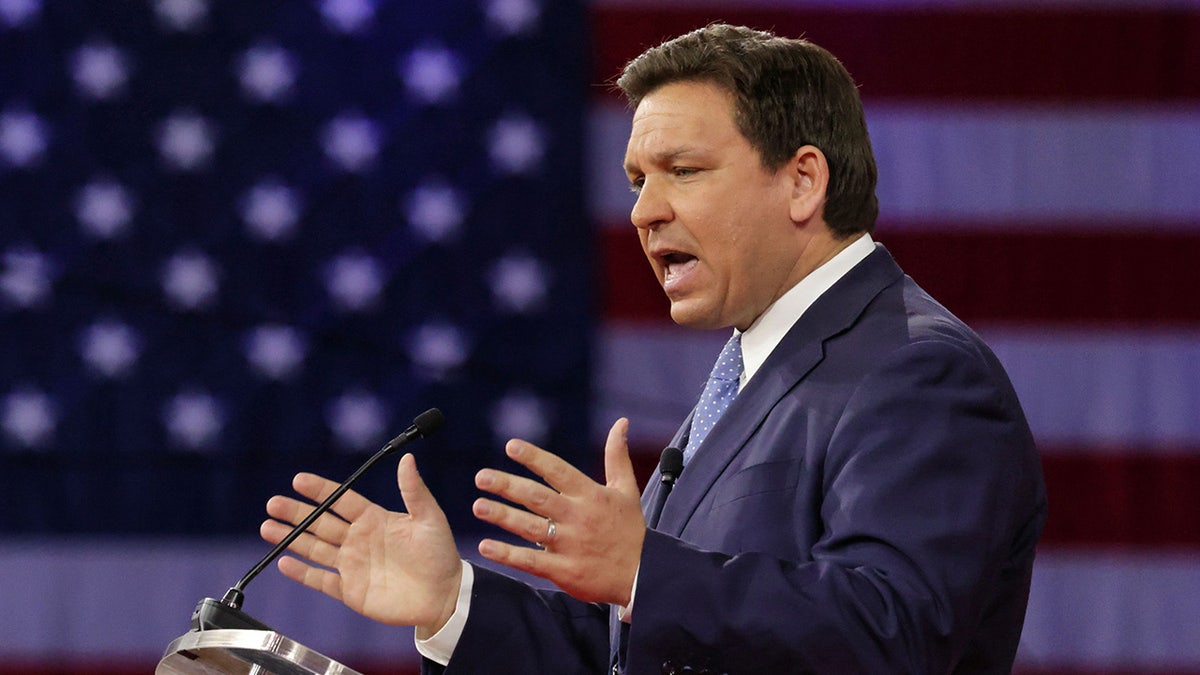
211	614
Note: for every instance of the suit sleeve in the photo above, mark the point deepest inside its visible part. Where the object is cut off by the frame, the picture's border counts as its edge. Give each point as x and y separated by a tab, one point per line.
514	628
929	500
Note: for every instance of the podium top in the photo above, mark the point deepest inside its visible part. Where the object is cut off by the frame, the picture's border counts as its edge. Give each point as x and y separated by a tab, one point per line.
244	652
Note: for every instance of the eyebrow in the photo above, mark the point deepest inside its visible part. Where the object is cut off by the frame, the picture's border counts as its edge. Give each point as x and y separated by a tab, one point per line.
666	157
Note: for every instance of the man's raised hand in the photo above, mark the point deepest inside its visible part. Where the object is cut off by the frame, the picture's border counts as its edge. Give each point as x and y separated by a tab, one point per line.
396	568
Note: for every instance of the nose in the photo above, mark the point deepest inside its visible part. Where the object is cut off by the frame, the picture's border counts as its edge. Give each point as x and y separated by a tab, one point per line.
651	208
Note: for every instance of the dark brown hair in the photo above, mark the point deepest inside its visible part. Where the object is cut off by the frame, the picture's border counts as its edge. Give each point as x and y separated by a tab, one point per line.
787	93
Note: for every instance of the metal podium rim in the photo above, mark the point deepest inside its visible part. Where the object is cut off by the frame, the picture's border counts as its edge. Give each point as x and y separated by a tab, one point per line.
248	652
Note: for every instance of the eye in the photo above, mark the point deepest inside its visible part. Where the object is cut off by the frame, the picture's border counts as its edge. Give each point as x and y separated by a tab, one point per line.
635	184
684	171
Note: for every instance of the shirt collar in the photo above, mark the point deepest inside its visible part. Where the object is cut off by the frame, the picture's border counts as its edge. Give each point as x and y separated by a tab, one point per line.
761	338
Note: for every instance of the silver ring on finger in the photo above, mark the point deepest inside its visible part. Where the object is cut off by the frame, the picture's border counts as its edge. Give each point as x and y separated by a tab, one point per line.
550	530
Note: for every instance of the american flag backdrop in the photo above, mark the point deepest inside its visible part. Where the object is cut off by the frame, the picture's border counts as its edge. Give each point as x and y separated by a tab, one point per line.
240	239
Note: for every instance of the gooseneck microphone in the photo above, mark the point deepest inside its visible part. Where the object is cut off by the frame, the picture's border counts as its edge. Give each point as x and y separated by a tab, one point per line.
670	465
211	614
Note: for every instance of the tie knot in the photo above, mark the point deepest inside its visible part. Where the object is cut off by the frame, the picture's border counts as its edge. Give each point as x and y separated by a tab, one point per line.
729	363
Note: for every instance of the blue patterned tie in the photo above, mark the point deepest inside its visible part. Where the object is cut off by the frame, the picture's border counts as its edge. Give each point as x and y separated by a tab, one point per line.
719	392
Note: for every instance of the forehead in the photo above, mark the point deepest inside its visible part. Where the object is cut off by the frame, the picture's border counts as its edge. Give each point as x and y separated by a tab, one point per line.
683	113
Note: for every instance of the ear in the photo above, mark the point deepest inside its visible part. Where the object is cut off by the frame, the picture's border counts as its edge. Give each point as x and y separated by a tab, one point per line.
809	172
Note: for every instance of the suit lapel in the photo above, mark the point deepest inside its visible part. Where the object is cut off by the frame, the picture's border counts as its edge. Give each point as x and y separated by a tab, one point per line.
795	356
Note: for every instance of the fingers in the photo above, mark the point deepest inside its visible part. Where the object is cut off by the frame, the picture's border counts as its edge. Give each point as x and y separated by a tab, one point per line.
618	467
325	581
418	500
349	506
530	527
287	510
541	498
531	560
556	471
319	551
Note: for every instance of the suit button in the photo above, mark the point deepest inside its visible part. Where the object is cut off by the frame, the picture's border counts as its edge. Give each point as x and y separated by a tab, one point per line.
668	668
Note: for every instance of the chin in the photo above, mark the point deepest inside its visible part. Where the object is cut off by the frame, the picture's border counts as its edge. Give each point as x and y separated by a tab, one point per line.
693	317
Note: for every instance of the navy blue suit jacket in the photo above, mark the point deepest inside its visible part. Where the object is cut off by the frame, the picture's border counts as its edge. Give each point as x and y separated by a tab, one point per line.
869	503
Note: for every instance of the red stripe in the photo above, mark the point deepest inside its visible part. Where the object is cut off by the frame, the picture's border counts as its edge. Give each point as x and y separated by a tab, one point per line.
1128	499
1131	499
1066	275
1052	54
629	289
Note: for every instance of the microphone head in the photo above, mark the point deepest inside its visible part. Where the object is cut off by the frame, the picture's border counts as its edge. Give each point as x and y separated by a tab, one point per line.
671	464
429	422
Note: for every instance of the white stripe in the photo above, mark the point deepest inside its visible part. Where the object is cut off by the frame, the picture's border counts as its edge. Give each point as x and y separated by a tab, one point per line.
1107	391
1114	390
84	597
608	126
127	599
1110	166
652	374
1109	610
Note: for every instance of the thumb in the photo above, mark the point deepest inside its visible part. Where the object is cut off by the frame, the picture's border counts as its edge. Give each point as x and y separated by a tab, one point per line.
618	467
418	500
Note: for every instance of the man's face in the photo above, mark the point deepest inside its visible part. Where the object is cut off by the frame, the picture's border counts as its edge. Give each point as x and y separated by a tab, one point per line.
714	224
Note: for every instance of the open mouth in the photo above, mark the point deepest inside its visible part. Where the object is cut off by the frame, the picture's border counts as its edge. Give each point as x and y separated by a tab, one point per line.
676	265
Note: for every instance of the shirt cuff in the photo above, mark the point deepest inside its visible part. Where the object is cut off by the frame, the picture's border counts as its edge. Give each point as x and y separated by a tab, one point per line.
439	647
625	613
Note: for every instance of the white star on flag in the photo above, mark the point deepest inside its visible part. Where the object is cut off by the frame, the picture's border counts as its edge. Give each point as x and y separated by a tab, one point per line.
190	280
352	142
184	16
29	417
110	348
193	419
356	419
275	351
520	414
100	71
19	13
185	141
516	144
27	277
437	348
513	17
347	16
270	210
23	137
432	73
435	210
518	283
267	73
354	281
104	208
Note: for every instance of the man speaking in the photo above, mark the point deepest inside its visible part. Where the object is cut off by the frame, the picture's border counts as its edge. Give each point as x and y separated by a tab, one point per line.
860	490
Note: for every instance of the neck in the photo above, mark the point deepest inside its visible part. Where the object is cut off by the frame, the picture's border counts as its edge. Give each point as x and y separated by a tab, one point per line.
820	250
